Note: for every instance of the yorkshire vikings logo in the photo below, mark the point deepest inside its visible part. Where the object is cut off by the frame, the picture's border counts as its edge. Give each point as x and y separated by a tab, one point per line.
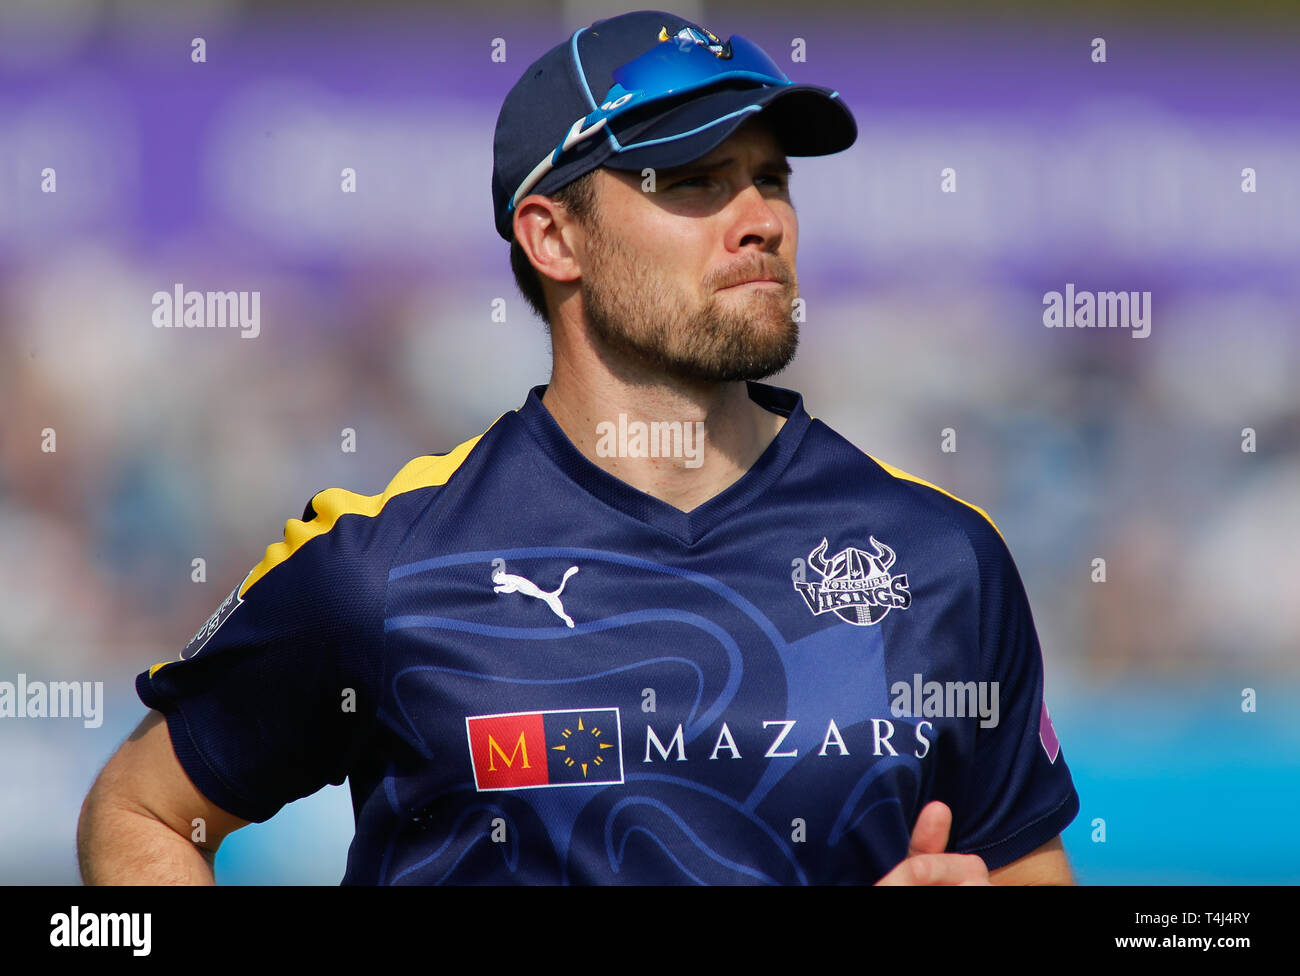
856	585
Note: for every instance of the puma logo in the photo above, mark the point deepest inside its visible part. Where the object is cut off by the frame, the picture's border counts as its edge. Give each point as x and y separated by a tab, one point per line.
509	583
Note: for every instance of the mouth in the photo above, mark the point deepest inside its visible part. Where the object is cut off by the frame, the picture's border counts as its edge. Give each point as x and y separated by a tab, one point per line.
769	282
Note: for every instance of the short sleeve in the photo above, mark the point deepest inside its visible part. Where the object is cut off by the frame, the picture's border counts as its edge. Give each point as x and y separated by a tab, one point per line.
1018	792
274	695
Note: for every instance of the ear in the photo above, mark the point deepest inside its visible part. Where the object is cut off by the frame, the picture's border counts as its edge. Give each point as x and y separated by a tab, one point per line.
545	232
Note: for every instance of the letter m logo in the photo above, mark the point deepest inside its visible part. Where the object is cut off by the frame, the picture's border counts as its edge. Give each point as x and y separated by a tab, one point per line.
500	747
495	751
581	747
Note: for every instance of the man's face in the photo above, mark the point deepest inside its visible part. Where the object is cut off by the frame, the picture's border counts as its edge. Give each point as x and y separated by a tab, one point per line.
660	283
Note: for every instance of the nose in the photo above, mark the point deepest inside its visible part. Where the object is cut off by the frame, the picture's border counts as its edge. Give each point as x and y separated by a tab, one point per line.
754	221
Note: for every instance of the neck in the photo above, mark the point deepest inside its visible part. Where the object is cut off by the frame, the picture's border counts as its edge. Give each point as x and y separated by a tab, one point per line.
705	435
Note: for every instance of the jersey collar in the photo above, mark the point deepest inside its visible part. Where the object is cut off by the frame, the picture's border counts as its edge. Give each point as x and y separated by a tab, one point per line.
688	527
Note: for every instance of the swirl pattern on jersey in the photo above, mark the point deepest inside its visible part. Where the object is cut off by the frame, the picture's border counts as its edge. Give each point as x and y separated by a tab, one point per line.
715	809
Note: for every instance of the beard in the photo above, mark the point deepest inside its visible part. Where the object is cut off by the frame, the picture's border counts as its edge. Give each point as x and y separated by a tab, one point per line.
637	314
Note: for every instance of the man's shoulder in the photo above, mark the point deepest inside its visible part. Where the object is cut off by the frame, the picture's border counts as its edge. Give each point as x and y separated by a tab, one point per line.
973	519
364	528
428	471
910	494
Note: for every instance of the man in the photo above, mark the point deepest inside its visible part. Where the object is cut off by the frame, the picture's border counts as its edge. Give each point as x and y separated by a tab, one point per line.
657	625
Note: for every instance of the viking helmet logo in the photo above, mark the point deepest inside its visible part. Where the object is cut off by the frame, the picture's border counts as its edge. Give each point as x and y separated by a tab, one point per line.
856	584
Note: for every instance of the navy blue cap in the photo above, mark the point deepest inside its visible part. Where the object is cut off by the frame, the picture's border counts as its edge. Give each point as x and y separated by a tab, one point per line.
568	82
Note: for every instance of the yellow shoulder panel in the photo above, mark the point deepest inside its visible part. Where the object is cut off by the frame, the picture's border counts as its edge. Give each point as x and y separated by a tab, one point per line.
422	472
332	503
900	473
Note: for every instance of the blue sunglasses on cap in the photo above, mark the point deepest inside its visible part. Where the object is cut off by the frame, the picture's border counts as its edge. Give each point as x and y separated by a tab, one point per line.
671	67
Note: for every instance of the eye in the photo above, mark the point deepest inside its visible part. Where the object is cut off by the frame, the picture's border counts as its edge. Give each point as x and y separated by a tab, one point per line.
778	179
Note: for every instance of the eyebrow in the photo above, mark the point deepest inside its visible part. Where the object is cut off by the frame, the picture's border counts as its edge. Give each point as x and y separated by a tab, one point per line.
777	164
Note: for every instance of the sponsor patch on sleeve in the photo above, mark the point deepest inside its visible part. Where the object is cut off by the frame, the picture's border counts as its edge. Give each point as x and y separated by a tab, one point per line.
1047	734
213	623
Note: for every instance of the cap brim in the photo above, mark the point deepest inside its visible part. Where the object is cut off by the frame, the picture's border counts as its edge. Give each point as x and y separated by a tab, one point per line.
807	120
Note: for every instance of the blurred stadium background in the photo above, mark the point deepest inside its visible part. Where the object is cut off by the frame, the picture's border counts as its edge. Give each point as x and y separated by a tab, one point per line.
924	313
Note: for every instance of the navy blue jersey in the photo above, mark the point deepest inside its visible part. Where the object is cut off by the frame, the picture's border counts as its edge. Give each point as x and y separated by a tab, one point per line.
529	671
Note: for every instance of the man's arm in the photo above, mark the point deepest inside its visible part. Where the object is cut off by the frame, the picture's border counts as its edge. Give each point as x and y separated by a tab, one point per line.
137	820
1047	865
